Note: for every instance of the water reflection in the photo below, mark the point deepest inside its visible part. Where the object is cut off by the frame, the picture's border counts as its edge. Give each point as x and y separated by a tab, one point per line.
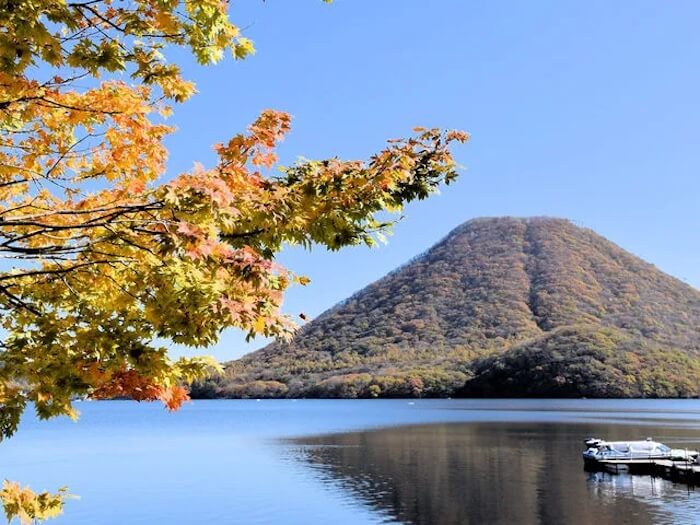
478	473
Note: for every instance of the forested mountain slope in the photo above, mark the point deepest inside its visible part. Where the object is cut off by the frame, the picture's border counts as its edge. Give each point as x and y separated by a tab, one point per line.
501	306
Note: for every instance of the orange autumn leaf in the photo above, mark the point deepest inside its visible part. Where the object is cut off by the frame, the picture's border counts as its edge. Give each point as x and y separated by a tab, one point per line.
174	397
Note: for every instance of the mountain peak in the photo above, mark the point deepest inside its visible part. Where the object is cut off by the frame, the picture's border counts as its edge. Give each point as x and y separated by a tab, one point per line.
495	289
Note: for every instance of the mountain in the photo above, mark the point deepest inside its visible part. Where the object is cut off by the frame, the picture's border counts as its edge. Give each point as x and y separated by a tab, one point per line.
499	307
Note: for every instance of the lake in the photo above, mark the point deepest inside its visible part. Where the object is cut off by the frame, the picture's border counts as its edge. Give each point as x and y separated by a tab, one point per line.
353	461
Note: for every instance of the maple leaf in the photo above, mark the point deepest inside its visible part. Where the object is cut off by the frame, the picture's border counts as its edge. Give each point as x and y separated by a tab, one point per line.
174	397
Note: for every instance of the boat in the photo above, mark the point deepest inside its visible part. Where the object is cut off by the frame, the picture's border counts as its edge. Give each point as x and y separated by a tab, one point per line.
601	454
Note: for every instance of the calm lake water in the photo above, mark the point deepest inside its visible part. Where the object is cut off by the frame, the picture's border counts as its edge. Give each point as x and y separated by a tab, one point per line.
333	461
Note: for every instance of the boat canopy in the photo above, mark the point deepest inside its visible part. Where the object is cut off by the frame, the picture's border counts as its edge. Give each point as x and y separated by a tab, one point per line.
635	447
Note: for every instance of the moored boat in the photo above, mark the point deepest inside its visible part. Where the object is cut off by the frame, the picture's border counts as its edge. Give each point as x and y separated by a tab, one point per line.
600	453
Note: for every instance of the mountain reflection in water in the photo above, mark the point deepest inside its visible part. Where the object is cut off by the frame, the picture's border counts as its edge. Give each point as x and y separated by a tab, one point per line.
482	473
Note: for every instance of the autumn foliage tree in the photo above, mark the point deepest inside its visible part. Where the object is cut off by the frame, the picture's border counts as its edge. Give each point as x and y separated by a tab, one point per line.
104	258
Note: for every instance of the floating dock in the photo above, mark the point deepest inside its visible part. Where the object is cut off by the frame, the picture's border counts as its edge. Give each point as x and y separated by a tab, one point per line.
681	471
678	471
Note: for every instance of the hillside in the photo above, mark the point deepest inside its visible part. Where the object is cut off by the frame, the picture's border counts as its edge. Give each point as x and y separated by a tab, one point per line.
499	307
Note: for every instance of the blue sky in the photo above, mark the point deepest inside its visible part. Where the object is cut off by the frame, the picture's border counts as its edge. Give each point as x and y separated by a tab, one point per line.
584	110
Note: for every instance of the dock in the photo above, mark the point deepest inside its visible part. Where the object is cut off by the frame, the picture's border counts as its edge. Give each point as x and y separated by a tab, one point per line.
679	471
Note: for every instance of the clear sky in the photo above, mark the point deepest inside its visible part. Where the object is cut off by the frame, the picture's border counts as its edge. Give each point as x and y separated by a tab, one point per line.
584	110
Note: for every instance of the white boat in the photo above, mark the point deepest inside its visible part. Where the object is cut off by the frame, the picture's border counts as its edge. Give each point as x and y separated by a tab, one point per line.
600	452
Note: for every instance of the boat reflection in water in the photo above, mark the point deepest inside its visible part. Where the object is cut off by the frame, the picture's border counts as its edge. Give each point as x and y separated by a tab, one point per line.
477	473
609	487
